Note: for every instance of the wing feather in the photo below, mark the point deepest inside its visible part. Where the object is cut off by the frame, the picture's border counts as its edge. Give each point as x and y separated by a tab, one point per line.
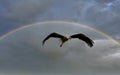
84	38
55	35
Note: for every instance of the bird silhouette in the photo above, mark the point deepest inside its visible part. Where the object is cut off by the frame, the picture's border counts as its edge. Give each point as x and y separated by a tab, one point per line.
64	38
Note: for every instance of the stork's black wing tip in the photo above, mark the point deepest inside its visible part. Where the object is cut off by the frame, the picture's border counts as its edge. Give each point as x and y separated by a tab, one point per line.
42	43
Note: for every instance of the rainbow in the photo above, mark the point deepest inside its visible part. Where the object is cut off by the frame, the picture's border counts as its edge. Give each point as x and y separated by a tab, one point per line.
66	22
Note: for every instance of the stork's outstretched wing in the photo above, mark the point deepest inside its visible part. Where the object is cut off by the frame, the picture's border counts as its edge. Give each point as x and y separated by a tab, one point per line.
84	38
55	35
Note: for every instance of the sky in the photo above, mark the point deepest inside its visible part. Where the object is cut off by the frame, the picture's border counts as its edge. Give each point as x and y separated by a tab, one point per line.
19	49
100	14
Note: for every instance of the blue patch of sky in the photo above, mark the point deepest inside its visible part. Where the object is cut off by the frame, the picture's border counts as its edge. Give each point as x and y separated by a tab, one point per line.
6	25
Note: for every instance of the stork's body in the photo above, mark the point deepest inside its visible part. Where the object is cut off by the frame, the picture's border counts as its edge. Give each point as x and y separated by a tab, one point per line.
63	40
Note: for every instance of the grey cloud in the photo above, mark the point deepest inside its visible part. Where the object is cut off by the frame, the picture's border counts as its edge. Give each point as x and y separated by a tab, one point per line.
26	10
22	51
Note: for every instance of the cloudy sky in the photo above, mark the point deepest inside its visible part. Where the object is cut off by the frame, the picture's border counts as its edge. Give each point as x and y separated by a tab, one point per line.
22	50
100	14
